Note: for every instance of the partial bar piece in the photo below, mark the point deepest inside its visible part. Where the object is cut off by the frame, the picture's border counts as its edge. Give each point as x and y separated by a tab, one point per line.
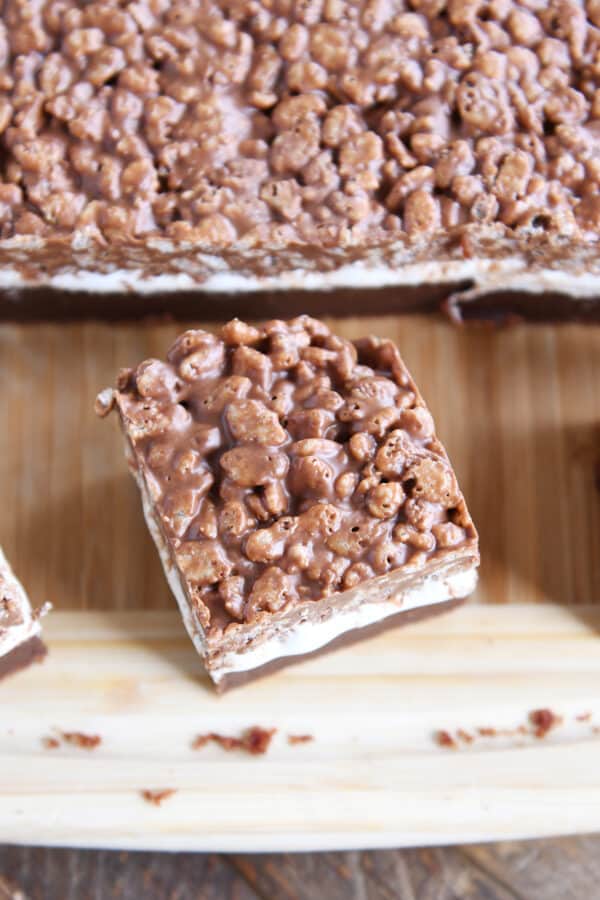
295	488
241	145
20	642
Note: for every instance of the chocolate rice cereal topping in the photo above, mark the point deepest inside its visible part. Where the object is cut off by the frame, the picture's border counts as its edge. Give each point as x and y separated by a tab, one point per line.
277	122
285	463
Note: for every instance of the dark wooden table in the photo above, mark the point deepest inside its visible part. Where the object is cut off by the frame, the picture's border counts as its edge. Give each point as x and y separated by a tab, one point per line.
561	869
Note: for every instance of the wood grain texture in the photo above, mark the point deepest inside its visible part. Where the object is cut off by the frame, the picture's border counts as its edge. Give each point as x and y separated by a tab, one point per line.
75	875
532	870
374	775
519	411
556	869
425	874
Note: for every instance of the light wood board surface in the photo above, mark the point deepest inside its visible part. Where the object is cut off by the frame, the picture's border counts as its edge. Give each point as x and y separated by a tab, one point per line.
373	776
519	411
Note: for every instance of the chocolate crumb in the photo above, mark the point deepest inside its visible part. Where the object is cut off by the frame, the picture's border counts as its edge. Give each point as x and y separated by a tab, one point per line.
542	721
254	740
75	738
104	402
487	732
596	729
445	739
41	611
257	740
300	738
157	797
79	739
584	717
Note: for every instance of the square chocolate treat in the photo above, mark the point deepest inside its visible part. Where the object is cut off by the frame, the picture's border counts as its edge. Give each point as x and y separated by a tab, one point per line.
295	488
20	629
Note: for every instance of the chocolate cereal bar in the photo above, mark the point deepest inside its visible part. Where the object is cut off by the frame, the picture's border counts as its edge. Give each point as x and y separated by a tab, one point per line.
241	145
20	642
295	488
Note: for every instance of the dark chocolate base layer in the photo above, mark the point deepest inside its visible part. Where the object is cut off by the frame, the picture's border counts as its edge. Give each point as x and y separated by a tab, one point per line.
507	307
22	656
407	617
42	304
46	304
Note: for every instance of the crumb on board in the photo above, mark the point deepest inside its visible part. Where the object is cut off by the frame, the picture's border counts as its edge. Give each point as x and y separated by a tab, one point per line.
445	739
294	739
80	739
540	722
254	740
74	738
157	797
584	717
104	402
543	721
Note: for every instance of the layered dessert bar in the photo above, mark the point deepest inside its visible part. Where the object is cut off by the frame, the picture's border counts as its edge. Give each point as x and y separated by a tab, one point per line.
242	145
20	642
295	488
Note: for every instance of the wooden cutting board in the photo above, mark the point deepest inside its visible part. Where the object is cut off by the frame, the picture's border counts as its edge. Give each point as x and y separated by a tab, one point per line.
519	411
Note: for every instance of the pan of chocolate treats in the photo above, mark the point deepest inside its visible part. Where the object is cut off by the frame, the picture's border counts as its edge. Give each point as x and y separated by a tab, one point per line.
162	155
295	488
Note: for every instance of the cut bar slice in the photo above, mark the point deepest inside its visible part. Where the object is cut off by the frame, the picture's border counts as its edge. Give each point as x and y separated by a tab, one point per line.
295	489
230	146
20	642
